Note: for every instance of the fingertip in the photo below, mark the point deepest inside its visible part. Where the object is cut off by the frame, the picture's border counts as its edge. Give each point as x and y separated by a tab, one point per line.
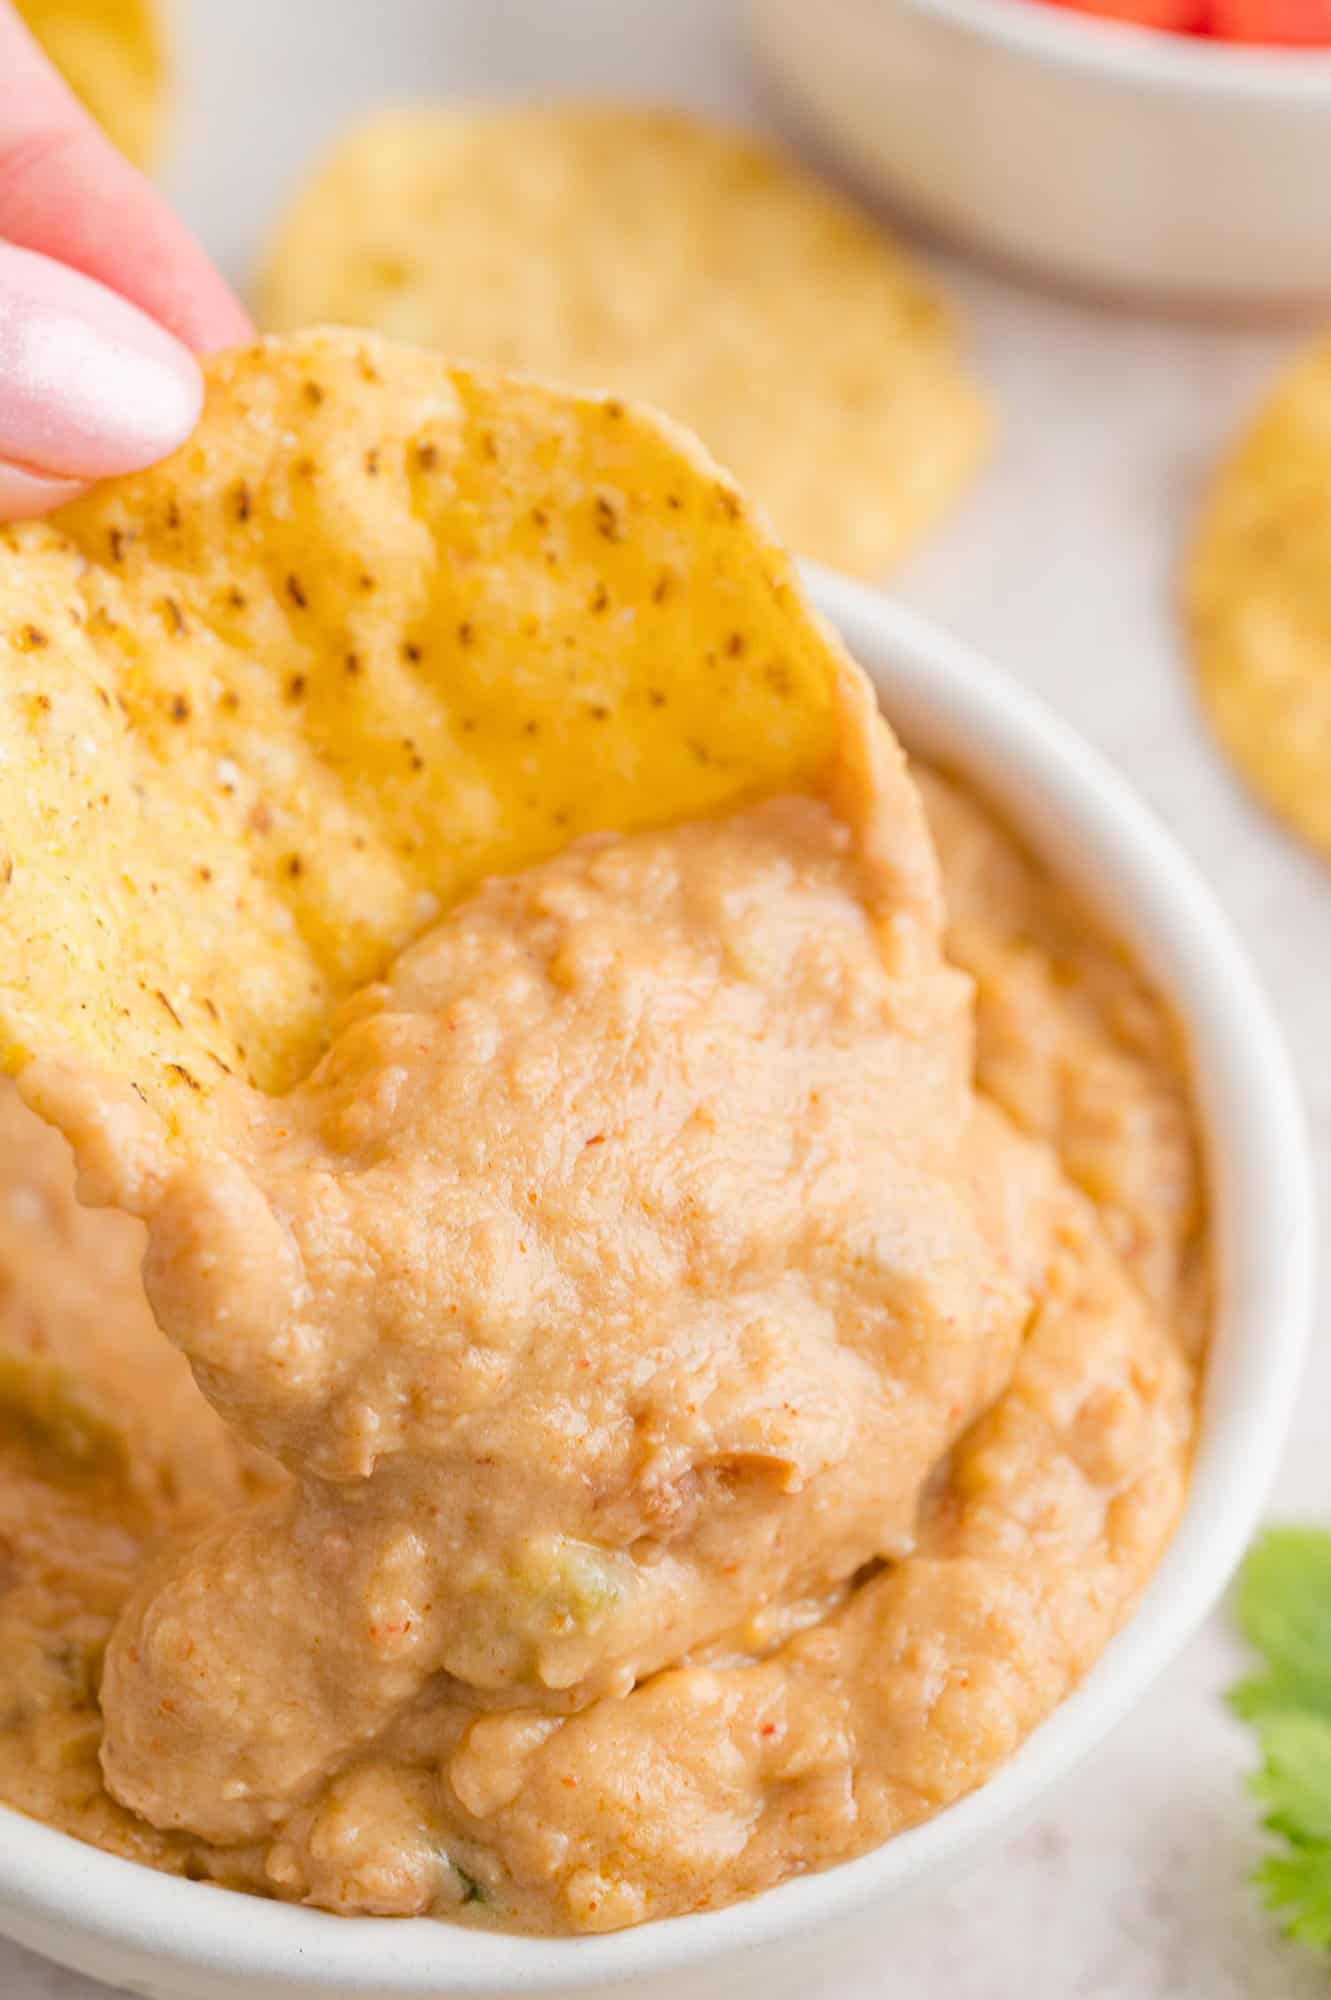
25	494
89	385
194	302
66	192
225	323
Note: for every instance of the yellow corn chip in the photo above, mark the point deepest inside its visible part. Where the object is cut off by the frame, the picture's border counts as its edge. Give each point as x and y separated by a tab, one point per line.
381	628
643	252
1258	601
111	54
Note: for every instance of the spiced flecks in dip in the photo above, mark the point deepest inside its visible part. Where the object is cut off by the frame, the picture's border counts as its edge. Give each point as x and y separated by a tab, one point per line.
731	1367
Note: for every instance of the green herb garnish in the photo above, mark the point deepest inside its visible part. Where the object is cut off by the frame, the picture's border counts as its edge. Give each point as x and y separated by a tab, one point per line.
472	1890
45	1407
1284	1608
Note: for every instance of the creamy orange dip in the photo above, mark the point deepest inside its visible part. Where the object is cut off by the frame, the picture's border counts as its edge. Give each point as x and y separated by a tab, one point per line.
731	1371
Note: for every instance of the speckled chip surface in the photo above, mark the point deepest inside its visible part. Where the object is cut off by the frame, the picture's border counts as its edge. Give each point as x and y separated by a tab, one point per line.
382	628
645	252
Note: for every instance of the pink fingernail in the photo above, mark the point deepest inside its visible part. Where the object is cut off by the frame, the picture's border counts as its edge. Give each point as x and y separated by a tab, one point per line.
89	385
24	493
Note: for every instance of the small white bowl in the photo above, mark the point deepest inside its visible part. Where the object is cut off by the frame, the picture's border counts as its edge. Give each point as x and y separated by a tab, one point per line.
1129	162
163	1937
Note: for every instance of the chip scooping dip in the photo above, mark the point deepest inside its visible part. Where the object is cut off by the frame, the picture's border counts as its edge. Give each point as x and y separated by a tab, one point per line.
357	647
1258	600
692	1384
646	253
111	53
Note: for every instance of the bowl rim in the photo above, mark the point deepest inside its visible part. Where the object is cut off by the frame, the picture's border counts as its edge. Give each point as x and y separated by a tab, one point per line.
1128	52
1066	798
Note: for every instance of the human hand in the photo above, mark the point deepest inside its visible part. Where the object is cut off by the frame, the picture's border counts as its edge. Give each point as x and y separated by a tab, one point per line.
105	297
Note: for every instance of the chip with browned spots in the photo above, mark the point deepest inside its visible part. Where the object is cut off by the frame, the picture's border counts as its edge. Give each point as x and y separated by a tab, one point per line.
382	628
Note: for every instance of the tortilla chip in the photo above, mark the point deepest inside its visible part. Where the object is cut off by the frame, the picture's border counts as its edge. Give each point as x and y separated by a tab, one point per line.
380	629
642	252
1258	601
111	54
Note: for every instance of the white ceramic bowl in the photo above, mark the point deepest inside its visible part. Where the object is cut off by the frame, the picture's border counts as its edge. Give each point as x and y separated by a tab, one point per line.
1123	160
177	1940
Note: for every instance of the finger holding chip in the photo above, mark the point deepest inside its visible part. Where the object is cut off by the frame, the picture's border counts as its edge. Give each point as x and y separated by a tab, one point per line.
66	193
102	295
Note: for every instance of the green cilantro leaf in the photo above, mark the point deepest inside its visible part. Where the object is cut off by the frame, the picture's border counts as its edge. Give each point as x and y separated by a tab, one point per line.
1299	1886
1284	1608
1294	1783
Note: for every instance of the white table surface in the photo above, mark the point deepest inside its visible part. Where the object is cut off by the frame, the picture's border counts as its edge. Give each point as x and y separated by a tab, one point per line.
1131	1886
